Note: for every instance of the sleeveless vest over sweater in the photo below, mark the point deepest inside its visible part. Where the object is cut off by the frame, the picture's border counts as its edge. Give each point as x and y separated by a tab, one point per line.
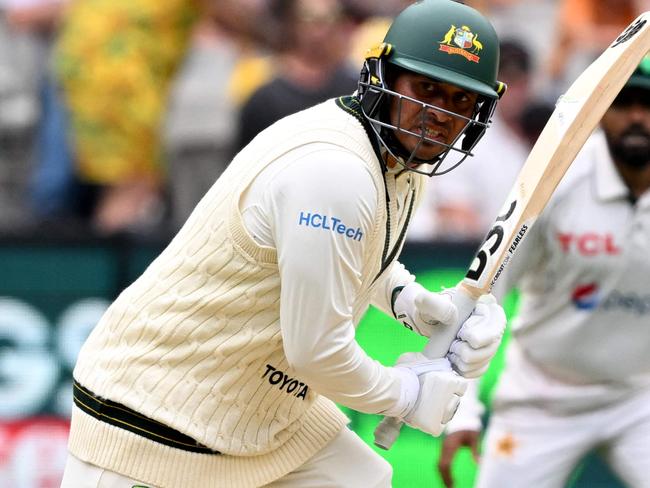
195	342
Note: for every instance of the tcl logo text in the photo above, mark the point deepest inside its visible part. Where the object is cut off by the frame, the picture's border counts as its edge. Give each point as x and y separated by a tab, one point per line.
588	244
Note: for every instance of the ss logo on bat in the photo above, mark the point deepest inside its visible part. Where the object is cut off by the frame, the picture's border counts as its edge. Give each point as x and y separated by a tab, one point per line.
482	255
629	33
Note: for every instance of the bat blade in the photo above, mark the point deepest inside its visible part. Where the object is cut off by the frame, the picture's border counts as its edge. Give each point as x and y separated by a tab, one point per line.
576	115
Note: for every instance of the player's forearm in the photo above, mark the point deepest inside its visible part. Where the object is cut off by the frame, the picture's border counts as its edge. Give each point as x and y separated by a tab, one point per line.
318	331
319	337
340	370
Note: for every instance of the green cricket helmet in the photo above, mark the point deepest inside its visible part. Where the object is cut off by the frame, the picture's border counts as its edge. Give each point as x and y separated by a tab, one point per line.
448	42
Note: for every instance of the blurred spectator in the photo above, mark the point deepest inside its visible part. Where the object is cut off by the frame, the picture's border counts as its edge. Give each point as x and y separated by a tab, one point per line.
199	126
464	204
311	66
373	21
533	118
52	177
254	67
585	29
257	64
533	24
25	95
116	61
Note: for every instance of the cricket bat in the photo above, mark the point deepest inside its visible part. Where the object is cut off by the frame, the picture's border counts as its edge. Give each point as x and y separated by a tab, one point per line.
576	115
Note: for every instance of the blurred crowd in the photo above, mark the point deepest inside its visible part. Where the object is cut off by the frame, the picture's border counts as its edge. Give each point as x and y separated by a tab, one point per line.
117	115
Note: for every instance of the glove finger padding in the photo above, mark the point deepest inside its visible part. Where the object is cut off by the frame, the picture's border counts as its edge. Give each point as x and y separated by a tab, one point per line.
450	411
422	311
435	309
471	374
464	354
473	363
486	324
478	338
440	394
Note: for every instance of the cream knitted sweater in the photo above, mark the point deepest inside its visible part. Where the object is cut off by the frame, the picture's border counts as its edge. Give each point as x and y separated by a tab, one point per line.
195	343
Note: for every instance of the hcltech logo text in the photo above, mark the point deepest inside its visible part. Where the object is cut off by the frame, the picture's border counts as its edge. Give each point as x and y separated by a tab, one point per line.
327	223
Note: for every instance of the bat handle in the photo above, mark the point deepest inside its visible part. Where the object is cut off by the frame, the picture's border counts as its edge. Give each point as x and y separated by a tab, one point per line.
387	431
464	297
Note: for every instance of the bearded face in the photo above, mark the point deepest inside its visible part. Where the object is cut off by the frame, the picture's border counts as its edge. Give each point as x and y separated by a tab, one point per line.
632	147
627	128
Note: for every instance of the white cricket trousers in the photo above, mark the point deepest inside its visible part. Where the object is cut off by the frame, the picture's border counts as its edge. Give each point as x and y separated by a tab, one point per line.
535	449
346	462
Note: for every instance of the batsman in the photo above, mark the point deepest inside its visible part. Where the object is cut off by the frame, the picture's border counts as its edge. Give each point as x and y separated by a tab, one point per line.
221	364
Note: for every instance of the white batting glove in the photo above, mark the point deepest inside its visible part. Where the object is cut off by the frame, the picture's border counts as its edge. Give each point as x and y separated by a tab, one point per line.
478	338
422	310
431	392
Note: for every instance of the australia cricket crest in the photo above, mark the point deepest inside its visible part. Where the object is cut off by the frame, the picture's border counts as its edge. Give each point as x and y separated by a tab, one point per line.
462	41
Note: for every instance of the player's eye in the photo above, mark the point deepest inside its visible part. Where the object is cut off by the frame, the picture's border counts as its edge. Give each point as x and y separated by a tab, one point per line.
427	88
464	102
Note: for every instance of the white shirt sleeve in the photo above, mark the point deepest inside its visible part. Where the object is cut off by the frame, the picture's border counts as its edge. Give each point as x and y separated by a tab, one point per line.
396	275
321	207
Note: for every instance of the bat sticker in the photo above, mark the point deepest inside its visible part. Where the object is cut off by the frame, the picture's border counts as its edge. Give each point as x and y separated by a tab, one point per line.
630	32
482	255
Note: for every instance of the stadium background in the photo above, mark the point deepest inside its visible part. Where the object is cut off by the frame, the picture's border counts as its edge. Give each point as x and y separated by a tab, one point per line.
52	292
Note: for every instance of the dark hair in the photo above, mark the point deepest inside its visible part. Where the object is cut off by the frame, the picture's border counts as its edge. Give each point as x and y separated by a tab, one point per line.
514	59
533	118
